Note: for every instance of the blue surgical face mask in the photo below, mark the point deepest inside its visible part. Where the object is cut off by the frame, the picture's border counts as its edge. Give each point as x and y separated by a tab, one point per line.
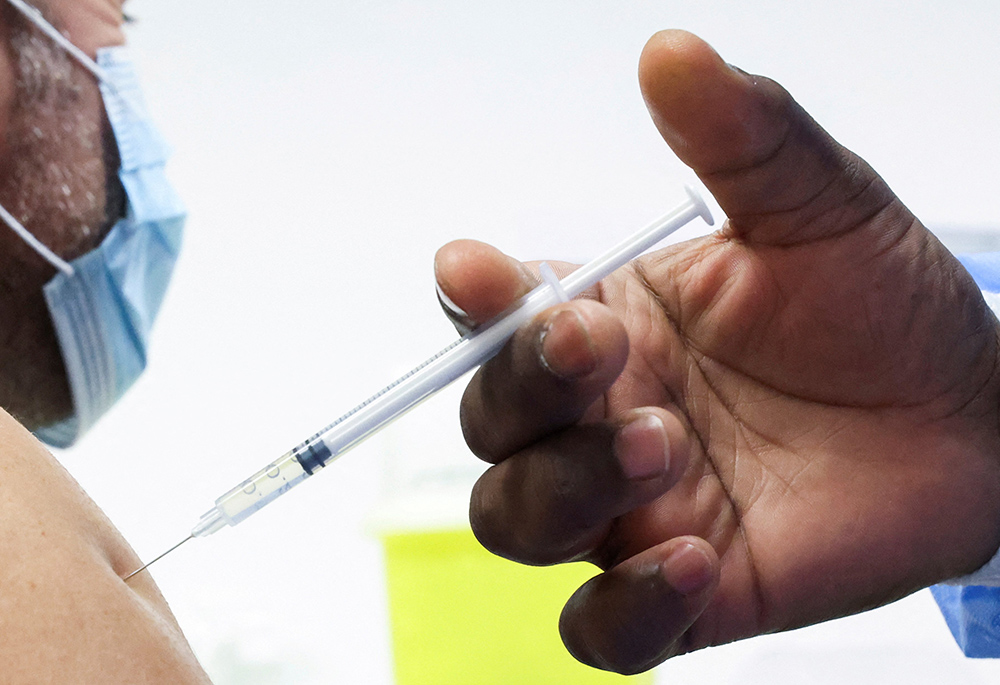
103	303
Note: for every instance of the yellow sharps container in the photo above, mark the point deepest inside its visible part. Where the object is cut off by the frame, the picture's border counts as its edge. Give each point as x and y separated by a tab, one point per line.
458	614
462	616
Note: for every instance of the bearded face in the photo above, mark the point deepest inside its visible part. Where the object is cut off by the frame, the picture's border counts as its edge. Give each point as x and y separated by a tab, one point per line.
58	177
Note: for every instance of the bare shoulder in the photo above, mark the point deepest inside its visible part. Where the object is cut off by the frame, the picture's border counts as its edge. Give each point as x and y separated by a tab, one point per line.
61	563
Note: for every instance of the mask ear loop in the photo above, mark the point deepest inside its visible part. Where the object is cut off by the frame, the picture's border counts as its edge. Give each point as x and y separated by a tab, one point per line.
35	244
33	15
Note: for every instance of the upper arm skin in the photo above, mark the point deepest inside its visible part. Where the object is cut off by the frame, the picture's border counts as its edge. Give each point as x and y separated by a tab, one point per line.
65	613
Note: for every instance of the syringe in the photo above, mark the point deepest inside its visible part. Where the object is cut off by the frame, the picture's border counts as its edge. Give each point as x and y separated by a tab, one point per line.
442	369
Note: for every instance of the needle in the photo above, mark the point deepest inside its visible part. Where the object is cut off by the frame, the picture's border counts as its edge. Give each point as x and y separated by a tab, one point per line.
412	388
145	566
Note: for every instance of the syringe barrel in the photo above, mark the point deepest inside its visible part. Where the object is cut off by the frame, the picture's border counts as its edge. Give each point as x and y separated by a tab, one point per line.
480	345
421	383
261	488
434	374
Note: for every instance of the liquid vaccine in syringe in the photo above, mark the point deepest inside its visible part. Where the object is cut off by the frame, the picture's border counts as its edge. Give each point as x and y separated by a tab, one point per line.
439	371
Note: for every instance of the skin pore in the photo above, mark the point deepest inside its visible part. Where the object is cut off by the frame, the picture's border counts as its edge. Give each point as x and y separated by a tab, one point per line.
58	165
819	382
63	597
63	600
798	480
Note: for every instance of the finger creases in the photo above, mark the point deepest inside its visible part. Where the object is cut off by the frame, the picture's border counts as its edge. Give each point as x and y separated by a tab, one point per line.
640	613
545	378
776	173
557	500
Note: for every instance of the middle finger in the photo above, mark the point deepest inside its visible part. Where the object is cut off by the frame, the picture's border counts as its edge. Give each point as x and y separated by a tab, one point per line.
556	500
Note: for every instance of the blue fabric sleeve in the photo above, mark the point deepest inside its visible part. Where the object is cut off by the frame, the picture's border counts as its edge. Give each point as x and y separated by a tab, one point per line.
972	612
985	269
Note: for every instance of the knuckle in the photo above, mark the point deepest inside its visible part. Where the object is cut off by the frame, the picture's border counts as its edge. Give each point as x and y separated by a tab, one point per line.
530	519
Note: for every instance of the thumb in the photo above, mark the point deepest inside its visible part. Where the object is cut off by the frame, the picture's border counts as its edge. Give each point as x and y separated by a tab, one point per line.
776	173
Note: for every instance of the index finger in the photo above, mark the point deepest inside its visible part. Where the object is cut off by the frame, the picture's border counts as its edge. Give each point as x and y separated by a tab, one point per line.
476	281
552	369
547	376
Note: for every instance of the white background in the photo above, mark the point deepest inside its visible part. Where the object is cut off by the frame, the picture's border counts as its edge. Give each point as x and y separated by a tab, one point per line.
326	148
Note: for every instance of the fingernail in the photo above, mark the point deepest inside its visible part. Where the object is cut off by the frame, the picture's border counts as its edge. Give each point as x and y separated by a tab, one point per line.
688	569
642	448
461	320
567	350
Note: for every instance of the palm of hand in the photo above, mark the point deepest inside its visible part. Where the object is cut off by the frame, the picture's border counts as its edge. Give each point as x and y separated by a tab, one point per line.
824	407
823	372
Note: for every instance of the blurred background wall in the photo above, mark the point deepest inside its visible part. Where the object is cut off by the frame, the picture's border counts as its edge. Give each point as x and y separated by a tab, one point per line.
325	150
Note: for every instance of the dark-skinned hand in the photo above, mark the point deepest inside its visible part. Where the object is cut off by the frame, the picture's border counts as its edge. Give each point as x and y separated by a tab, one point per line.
791	420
